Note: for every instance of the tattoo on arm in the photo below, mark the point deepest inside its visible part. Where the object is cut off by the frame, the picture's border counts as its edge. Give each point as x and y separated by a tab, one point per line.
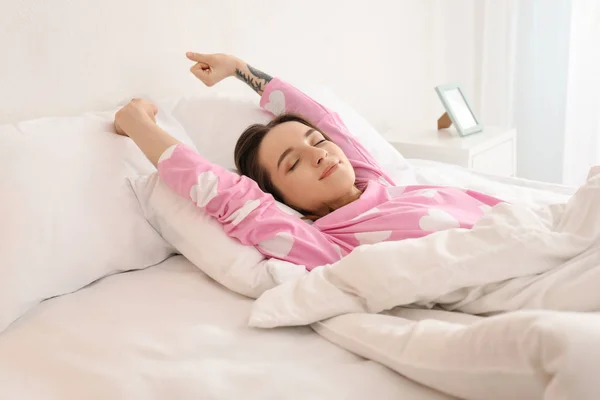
254	78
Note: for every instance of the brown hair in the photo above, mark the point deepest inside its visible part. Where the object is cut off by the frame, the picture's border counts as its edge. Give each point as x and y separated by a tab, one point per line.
246	152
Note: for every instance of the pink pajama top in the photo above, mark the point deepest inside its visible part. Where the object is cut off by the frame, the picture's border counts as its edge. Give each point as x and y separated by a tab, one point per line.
385	211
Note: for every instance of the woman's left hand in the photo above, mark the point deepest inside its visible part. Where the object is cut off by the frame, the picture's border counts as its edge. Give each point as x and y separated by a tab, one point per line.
135	112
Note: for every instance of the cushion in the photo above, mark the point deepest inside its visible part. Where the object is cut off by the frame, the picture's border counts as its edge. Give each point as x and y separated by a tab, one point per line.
214	123
202	240
68	215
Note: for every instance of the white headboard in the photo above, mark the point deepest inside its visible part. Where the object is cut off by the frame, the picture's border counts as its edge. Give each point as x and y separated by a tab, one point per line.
62	57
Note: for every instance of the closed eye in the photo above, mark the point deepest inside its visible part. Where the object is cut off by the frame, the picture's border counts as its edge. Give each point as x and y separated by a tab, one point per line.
294	165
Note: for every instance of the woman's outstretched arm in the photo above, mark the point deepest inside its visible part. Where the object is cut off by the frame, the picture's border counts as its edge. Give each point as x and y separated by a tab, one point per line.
137	120
256	79
236	202
278	96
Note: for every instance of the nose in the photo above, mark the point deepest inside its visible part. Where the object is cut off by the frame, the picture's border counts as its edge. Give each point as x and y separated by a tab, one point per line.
318	155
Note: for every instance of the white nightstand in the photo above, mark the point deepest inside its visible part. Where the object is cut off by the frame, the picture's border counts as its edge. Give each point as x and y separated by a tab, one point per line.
492	151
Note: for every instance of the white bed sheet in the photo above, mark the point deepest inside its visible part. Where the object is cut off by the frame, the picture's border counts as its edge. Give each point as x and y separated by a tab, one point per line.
170	332
511	189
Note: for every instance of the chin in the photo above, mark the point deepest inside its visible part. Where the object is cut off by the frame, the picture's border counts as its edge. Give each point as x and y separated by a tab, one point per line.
349	176
341	189
346	182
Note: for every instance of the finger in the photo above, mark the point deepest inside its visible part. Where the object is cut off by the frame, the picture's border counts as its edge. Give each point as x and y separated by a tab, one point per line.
199	66
198	57
118	130
201	74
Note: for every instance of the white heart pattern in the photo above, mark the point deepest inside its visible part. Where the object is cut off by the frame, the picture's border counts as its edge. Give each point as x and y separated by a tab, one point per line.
279	245
429	193
238	215
167	154
372	237
371	211
437	220
206	189
395	191
276	104
288	210
383	181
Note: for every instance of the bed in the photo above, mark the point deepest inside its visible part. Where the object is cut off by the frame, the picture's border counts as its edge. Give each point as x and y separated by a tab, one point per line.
111	288
170	331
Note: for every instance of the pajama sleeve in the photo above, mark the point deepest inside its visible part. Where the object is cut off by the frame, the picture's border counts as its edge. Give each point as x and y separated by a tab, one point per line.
246	212
280	97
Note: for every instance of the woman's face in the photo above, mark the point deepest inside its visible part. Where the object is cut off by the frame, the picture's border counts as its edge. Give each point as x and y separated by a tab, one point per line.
311	173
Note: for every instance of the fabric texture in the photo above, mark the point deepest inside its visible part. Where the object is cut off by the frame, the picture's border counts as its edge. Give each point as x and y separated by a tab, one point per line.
523	355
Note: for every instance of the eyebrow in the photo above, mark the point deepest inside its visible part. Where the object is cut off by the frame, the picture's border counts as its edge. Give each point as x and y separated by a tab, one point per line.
287	151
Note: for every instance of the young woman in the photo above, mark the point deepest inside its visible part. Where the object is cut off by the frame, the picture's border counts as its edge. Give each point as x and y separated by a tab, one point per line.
306	158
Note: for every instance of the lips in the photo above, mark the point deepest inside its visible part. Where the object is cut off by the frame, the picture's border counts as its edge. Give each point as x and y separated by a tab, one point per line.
329	170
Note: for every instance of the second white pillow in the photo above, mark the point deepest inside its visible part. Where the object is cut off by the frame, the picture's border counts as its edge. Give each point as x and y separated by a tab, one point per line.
202	240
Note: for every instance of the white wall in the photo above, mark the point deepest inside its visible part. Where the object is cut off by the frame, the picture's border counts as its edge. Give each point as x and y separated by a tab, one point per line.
456	52
64	57
383	56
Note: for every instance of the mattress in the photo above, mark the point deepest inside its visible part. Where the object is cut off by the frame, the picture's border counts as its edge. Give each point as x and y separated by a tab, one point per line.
170	332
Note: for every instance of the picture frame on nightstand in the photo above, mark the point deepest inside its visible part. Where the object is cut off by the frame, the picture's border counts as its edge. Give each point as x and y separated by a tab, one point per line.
458	110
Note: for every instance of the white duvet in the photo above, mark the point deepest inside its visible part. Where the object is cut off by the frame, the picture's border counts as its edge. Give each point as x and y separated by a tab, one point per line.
516	257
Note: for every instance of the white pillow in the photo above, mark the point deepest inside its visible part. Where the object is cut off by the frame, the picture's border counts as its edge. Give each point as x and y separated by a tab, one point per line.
215	122
519	355
68	214
202	240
